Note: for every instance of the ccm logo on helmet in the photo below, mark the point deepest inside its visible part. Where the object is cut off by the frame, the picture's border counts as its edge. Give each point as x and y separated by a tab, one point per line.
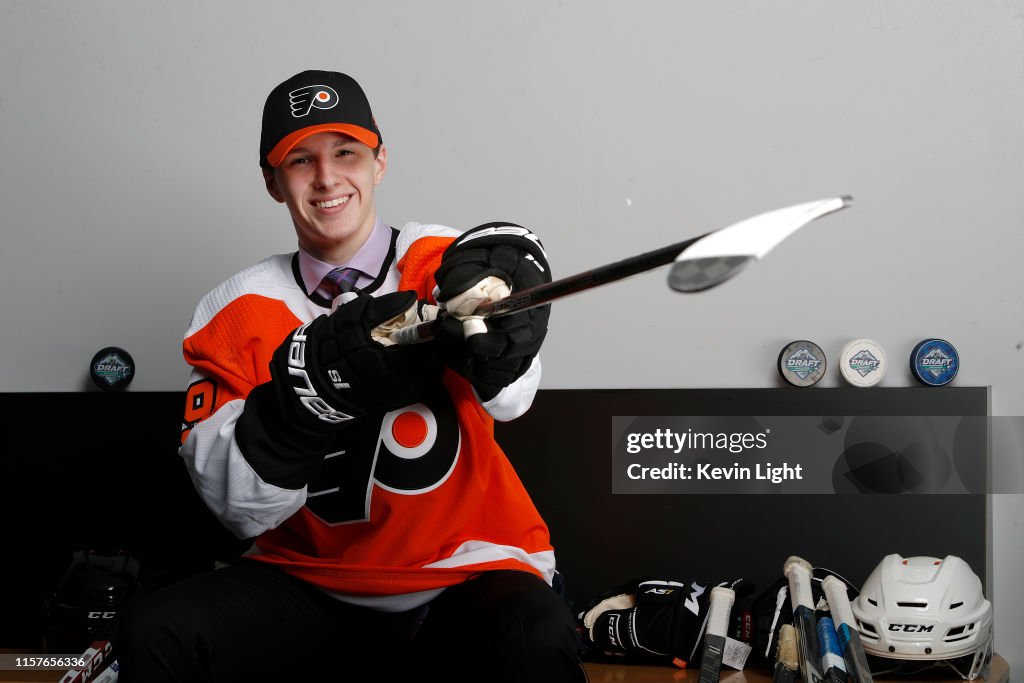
912	628
306	393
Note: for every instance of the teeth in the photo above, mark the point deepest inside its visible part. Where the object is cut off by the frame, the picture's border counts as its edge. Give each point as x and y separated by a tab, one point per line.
331	204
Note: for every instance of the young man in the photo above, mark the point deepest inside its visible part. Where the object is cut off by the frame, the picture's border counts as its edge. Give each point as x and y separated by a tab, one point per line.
389	530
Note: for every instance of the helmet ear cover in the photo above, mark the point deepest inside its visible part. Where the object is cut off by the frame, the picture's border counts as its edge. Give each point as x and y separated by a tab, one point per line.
925	610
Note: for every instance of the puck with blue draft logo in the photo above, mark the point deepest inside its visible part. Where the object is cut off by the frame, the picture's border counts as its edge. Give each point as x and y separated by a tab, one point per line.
112	369
802	363
863	363
934	362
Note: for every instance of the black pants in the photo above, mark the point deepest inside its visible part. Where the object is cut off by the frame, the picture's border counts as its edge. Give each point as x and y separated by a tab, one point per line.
252	622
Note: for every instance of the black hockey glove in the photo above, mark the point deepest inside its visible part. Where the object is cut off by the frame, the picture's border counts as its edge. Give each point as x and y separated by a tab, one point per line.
326	373
329	370
650	620
493	359
335	371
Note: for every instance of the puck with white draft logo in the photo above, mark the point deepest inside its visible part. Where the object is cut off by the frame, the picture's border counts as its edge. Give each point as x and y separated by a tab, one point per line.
863	363
802	363
934	362
112	369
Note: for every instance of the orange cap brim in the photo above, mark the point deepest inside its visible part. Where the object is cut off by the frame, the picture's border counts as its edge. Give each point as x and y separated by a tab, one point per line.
281	149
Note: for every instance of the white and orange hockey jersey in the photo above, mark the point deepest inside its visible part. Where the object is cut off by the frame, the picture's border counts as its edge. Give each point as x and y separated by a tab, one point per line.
406	503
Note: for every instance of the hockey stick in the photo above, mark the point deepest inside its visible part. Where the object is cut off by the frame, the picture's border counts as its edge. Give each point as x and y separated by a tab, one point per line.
786	661
831	652
722	599
798	571
98	665
846	629
698	263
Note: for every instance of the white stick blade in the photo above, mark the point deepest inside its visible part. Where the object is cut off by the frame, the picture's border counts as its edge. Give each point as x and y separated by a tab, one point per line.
755	236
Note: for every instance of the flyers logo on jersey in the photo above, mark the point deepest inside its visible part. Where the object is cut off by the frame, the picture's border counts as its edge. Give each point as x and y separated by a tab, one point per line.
409	451
304	100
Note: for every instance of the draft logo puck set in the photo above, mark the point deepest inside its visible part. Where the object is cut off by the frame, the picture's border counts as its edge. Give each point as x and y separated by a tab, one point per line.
863	363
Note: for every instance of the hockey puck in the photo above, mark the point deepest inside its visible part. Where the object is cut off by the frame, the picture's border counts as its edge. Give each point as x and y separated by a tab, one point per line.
112	369
934	362
802	363
862	363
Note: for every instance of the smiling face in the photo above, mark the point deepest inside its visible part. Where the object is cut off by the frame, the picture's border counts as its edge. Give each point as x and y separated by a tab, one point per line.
327	182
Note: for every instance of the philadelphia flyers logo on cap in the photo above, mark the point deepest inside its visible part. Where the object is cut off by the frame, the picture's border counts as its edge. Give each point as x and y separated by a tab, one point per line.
304	100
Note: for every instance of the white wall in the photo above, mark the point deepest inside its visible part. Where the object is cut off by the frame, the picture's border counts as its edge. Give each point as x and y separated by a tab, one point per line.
130	182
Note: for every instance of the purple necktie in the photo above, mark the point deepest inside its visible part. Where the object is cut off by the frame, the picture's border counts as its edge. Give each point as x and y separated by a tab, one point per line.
338	281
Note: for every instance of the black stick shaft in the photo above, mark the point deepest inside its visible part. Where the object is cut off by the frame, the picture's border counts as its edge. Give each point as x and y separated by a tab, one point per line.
581	282
566	286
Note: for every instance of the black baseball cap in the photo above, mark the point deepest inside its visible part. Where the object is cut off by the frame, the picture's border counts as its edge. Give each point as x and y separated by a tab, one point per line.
313	102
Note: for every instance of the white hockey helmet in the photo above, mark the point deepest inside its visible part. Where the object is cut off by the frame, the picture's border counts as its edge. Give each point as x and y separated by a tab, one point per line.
926	610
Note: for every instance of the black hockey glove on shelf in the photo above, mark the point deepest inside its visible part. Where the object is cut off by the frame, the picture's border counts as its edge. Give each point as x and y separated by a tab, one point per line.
651	620
493	359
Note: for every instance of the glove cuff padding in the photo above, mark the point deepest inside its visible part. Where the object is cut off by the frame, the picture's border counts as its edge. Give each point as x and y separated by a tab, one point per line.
504	250
279	443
